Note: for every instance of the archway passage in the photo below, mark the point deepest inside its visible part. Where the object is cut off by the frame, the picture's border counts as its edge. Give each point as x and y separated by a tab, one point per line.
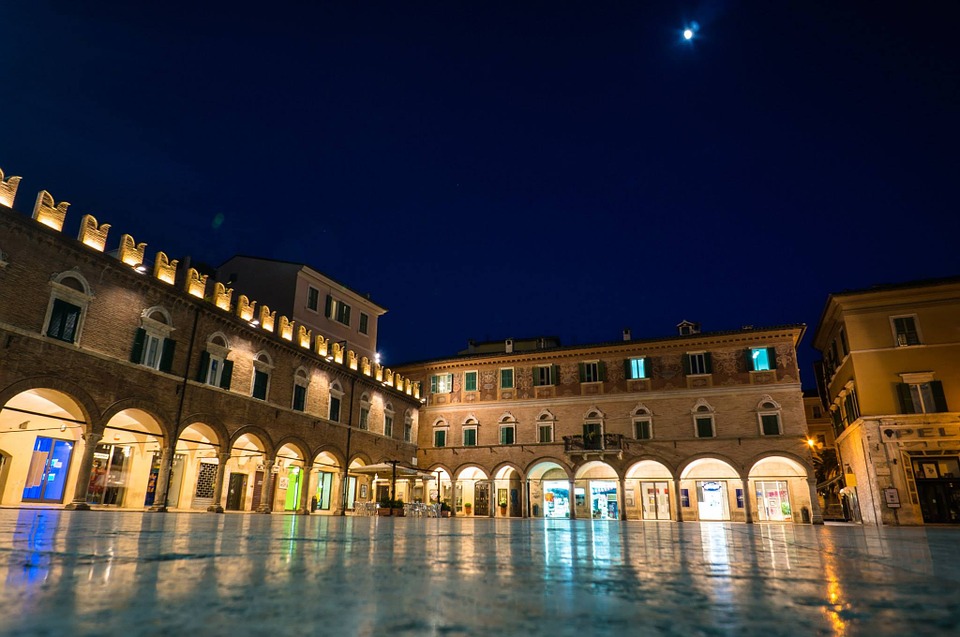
509	489
41	434
472	492
782	492
549	487
247	472
325	483
196	461
126	462
710	490
291	479
649	487
597	492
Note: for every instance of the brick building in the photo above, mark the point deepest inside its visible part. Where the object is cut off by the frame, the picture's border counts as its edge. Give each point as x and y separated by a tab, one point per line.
698	426
130	384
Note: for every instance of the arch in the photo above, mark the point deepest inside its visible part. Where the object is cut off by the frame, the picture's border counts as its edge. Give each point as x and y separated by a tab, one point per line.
650	468
471	471
799	464
506	417
218	339
724	467
440	422
165	316
80	283
207	419
328	450
537	468
767	403
596	469
79	404
301	375
150	408
702	406
263	357
594	413
641	410
336	387
361	457
257	433
439	466
545	414
297	443
500	470
470	420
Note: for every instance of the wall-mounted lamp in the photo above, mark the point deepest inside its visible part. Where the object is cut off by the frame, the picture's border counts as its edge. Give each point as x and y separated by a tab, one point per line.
139	267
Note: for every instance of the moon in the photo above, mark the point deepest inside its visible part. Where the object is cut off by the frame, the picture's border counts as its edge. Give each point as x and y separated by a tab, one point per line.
687	34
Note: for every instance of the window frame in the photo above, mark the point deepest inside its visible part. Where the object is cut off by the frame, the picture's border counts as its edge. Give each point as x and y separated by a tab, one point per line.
336	394
363	323
471	428
769	408
262	368
67	295
631	368
703	411
438	433
216	355
918	335
588	369
506	427
703	365
313	299
301	384
476	379
435	384
513	378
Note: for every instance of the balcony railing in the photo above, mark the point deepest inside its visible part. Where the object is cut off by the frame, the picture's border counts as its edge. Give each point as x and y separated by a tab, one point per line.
607	443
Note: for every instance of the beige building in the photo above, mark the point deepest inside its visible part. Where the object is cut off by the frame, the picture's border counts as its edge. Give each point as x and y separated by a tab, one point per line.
890	375
699	426
309	298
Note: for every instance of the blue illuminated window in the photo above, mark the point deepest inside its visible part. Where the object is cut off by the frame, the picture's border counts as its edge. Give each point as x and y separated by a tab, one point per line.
636	368
761	359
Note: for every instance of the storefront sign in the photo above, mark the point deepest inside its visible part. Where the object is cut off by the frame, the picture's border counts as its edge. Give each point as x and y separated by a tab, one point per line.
891	497
921	433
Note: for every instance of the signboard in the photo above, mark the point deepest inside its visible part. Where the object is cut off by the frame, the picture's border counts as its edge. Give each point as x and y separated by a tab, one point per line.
892	497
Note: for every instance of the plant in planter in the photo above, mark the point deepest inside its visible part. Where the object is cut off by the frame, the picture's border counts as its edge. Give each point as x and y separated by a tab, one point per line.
397	506
385	507
444	510
468	508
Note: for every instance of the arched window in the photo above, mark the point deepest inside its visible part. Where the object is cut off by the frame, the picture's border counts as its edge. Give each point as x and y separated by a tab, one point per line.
593	429
642	423
262	366
703	420
152	345
214	368
70	296
470	427
364	411
508	429
388	420
545	426
301	382
440	429
408	426
768	416
336	396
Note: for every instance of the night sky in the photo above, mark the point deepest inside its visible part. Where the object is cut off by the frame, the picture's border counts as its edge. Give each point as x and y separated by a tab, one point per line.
489	170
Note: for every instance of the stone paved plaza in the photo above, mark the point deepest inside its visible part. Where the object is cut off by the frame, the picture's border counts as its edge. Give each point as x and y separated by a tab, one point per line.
125	573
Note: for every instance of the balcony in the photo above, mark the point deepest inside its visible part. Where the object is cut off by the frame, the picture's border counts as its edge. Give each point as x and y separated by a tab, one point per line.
602	446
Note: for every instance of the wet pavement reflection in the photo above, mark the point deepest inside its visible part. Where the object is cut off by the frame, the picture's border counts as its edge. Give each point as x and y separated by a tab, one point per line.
125	573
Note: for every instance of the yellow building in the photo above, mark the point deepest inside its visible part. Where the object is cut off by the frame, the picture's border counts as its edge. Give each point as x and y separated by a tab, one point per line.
890	375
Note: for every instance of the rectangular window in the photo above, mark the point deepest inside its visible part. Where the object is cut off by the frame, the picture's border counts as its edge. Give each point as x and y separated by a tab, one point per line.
844	345
441	384
770	424
851	407
334	409
590	372
922	398
64	319
506	378
337	310
545	433
407	432
685	498
636	368
543	375
643	429
470	437
440	438
817	411
313	299
470	381
698	363
739	498
364	319
905	329
705	427
260	380
364	418
762	359
299	397
388	426
507	434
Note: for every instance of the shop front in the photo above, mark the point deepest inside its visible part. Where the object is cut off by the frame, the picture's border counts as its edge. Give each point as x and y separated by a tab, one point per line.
109	475
556	499
49	467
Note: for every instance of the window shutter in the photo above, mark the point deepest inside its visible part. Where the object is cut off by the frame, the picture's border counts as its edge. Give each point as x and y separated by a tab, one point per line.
136	354
707	362
939	399
166	357
226	374
433	384
204	367
748	357
646	367
602	370
328	307
772	357
686	364
346	315
628	368
556	374
536	376
583	372
906	402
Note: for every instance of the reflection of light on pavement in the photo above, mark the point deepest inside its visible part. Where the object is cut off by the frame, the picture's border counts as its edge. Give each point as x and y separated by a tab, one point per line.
834	590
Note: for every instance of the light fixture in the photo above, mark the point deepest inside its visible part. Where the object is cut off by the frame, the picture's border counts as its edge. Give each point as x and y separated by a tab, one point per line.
254	323
139	267
63	426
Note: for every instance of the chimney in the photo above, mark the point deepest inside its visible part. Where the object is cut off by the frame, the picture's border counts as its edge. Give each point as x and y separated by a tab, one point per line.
508	346
626	333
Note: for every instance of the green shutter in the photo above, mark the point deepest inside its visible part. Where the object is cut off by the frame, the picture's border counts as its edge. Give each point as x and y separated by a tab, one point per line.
536	376
346	315
708	362
686	364
204	367
226	374
433	384
328	307
628	368
939	399
772	357
748	357
556	374
602	371
646	367
583	372
906	402
136	355
166	356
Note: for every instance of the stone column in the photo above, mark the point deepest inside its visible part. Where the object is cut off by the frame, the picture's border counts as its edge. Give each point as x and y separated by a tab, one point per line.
90	440
163	480
493	503
266	498
746	499
816	515
623	498
679	500
525	498
305	489
217	506
573	500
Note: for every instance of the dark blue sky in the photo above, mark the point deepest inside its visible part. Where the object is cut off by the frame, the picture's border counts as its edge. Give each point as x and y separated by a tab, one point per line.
488	170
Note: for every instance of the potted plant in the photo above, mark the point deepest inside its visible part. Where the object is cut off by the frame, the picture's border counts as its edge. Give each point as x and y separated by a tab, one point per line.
384	508
468	509
444	510
397	506
503	509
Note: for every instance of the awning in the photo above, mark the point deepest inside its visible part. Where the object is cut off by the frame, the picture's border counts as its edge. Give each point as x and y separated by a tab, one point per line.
385	470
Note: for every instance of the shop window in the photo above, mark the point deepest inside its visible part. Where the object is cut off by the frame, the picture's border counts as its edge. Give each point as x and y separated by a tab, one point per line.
761	359
214	367
70	296
470	381
685	498
262	366
739	498
905	330
441	383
